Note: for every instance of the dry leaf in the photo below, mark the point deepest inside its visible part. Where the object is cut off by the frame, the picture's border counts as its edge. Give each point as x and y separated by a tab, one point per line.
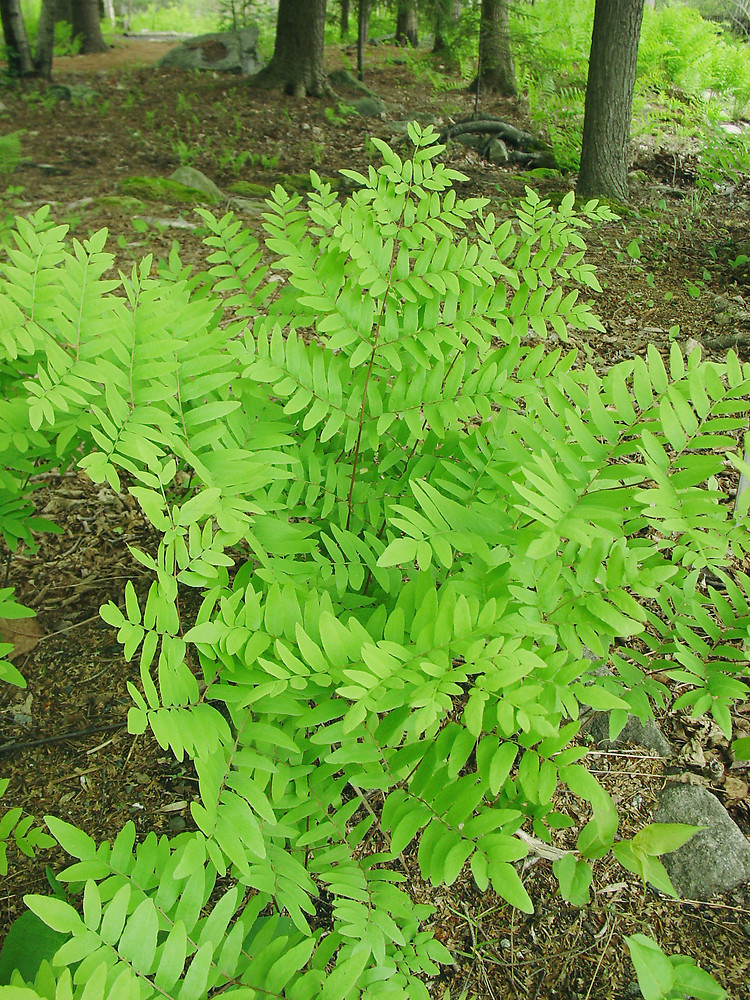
24	633
735	788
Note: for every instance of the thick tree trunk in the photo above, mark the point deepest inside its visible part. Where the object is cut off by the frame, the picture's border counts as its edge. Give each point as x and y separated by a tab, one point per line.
344	18
406	23
297	63
86	26
497	71
447	13
16	41
45	39
609	99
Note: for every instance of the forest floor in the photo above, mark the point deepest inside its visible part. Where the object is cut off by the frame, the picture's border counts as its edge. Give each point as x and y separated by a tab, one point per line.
669	270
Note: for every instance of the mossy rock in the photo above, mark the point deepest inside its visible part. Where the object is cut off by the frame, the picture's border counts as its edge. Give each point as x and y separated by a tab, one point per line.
123	202
249	189
342	79
165	190
544	173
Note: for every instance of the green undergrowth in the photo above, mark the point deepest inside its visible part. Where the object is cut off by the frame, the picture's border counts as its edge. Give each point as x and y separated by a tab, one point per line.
163	189
293	183
410	533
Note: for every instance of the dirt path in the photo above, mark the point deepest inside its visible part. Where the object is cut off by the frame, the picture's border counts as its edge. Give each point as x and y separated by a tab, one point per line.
125	52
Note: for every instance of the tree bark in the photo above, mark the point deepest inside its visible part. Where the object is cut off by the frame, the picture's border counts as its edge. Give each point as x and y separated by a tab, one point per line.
363	31
609	99
86	26
344	18
447	13
16	40
497	70
297	63
406	23
45	39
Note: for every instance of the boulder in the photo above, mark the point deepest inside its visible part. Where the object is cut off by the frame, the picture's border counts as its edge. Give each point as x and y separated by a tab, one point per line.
193	178
636	732
369	107
717	858
222	51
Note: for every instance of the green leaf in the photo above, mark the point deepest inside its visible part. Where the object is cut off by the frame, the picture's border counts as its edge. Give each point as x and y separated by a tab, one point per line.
656	975
71	839
399	551
506	883
574	876
662	838
28	943
58	915
694	981
345	976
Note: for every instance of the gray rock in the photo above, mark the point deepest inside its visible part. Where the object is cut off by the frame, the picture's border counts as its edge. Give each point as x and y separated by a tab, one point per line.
496	151
342	79
222	51
251	207
193	178
640	734
472	141
717	858
369	107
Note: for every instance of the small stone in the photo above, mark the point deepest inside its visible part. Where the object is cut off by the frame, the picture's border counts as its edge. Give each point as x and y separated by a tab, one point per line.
177	823
497	152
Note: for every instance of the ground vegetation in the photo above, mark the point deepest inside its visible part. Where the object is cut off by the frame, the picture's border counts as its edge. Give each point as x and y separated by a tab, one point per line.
669	267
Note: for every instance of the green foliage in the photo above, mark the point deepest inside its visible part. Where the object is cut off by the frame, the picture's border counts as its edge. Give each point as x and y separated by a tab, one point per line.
409	529
174	16
673	977
10	609
163	189
691	74
27	837
10	153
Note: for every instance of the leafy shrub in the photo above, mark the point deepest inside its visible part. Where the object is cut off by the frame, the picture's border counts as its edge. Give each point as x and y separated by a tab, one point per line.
410	528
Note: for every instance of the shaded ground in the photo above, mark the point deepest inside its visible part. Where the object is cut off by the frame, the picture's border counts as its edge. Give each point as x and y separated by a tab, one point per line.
64	742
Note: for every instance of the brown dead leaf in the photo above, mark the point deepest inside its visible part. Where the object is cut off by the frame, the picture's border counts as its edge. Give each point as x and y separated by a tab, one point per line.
735	788
24	633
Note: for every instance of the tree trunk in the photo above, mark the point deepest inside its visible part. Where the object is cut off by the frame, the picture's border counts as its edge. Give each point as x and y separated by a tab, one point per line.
609	99
447	14
344	18
45	39
16	41
497	71
297	63
406	23
86	26
363	31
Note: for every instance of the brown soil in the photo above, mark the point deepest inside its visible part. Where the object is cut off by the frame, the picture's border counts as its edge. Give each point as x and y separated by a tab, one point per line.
64	742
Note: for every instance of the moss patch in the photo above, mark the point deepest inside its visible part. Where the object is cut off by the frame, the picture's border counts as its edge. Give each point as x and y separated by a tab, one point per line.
249	189
292	183
123	202
164	189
